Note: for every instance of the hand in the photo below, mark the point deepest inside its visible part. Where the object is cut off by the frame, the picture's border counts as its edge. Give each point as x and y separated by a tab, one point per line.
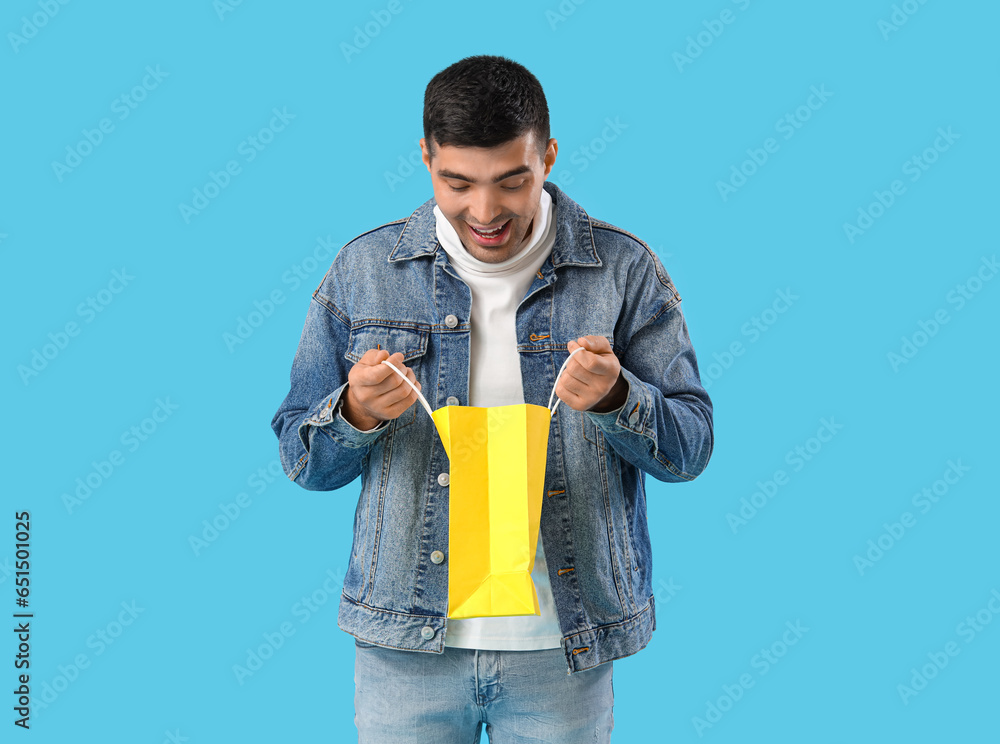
592	381
374	392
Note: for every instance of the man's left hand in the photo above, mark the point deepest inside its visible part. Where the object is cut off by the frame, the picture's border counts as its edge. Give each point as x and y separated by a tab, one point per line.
592	381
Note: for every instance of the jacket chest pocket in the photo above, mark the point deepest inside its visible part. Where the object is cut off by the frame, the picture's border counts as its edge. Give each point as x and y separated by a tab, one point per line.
409	339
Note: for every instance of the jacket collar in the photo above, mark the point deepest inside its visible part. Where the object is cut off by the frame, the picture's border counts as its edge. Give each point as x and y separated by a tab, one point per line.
574	245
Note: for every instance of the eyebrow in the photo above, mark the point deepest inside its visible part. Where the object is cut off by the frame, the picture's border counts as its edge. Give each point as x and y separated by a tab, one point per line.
502	177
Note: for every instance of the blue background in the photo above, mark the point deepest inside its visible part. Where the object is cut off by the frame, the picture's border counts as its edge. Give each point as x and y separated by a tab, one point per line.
725	590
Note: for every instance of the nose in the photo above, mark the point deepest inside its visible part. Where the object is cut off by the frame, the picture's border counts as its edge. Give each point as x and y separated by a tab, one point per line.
484	208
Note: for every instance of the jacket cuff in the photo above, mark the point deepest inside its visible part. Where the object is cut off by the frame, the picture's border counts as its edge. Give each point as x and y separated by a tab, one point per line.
327	418
633	412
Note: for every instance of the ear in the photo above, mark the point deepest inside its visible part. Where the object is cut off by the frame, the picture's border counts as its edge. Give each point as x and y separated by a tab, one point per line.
550	156
425	153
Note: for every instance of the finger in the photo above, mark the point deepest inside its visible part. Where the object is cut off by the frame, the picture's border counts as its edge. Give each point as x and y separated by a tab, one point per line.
595	344
578	368
378	371
578	380
411	376
583	370
396	360
587	386
370	382
388	402
573	399
385	380
398	383
399	398
373	357
587	362
382	355
393	382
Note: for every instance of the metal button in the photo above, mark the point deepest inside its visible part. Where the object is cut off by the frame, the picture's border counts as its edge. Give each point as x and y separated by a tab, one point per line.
437	557
427	632
451	400
443	479
451	321
633	417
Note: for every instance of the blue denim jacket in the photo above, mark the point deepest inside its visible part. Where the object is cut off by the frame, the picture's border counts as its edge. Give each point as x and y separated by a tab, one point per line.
394	287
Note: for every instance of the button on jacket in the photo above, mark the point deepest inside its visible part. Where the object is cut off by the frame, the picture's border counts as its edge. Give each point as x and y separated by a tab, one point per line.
394	288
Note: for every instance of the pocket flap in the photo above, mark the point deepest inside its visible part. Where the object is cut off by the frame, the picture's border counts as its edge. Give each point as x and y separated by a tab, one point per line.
410	339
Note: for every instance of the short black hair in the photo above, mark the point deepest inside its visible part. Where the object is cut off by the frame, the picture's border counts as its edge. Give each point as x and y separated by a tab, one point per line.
484	101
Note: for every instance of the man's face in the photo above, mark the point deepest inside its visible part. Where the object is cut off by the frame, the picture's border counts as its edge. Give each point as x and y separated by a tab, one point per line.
485	188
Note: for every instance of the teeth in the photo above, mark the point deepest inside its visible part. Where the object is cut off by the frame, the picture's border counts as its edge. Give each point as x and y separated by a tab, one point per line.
490	233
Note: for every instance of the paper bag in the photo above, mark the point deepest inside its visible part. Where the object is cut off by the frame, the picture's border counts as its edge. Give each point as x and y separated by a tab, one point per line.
497	476
496	480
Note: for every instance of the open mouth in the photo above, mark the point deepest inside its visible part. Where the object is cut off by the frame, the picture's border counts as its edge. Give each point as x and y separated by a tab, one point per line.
494	236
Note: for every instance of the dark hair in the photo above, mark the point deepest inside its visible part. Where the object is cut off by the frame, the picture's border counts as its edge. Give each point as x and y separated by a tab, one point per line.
484	101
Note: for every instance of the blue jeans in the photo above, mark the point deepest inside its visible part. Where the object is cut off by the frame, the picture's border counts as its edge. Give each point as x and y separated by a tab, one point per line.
522	696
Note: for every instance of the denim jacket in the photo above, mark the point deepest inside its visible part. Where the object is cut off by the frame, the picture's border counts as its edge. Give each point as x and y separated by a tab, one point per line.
394	287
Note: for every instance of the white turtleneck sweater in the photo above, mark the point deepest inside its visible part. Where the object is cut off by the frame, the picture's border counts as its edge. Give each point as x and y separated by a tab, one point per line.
495	380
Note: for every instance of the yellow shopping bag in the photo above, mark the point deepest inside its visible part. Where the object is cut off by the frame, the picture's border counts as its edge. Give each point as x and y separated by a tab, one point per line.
497	476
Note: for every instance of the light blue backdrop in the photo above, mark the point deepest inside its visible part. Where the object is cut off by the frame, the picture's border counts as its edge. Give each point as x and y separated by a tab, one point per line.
820	179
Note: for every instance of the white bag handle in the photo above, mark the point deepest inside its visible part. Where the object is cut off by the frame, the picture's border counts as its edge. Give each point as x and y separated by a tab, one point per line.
426	405
558	375
406	379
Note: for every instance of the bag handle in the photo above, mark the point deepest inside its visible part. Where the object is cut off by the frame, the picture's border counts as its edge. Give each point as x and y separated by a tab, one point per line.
558	375
427	407
406	379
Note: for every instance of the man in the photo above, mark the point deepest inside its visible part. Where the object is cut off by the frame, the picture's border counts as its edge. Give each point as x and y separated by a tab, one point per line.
478	298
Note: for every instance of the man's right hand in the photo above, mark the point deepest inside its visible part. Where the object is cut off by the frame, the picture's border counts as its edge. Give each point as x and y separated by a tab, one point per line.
374	392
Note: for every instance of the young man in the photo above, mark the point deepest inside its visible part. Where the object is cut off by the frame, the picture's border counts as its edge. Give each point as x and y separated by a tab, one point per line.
479	297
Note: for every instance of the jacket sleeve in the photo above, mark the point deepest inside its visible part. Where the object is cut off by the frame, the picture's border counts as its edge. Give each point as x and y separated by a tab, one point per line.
665	425
319	449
